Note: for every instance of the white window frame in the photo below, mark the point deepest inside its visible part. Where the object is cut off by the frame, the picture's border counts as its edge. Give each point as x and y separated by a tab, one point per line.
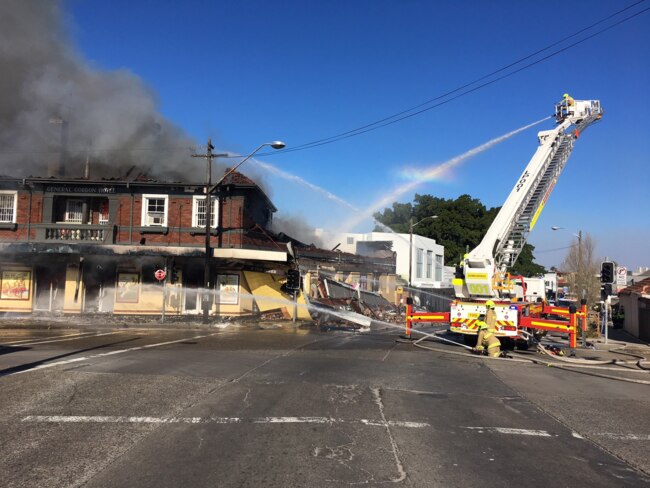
15	206
419	258
429	264
195	211
439	266
145	204
103	218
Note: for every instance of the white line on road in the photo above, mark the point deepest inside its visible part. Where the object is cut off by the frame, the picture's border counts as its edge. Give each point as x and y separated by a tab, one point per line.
69	337
508	430
626	437
111	353
103	419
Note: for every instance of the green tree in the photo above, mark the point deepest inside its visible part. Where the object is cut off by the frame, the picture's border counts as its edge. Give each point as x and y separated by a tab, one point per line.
461	224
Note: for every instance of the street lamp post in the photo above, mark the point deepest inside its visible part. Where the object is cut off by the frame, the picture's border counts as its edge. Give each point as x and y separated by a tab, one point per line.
580	279
209	189
411	226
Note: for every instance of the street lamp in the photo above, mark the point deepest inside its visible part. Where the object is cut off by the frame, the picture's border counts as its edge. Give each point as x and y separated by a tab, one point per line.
209	189
411	225
580	280
579	236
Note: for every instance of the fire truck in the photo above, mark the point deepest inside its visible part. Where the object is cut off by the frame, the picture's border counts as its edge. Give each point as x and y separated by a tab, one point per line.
483	273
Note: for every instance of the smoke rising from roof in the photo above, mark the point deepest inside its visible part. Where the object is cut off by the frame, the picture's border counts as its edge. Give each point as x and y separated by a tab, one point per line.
296	227
51	98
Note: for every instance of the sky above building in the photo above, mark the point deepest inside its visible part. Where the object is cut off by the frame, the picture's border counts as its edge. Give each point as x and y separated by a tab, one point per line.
248	72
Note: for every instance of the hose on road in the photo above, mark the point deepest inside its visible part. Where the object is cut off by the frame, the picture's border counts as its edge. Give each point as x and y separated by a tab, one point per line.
575	365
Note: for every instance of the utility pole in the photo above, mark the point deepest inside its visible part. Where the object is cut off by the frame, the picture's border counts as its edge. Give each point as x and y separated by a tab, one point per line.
205	298
410	251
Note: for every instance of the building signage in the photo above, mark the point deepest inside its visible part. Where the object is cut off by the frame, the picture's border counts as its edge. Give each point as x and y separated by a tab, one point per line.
228	289
15	285
81	189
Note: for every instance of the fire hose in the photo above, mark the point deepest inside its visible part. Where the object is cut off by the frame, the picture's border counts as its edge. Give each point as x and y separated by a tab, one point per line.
574	365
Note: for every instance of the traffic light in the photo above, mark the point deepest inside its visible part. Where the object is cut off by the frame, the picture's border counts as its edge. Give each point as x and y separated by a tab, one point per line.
607	272
293	279
606	291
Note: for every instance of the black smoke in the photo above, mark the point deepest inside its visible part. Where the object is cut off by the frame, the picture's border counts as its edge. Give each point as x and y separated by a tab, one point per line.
55	108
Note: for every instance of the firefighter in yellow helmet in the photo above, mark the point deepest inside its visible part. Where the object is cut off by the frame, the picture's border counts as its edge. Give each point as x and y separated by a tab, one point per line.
487	341
568	99
490	315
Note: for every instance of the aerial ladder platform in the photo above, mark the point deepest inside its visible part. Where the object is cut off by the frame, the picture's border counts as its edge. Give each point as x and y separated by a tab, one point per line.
483	274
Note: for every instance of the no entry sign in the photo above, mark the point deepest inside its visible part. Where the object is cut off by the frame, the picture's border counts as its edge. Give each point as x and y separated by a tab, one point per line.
160	274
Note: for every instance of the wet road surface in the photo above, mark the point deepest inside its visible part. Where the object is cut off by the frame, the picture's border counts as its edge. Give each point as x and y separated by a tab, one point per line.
298	407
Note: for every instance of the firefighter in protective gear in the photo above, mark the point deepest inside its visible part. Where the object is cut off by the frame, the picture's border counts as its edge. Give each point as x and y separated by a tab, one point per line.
461	265
487	341
490	315
568	99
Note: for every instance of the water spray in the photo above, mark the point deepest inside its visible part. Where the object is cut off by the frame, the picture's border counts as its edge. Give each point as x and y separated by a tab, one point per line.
430	174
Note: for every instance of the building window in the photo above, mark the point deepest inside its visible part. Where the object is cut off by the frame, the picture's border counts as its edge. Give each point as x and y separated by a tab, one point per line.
438	267
419	256
154	210
350	240
429	263
73	211
103	212
198	212
8	207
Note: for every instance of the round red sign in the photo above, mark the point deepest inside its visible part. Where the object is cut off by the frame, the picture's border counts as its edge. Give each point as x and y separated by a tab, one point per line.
160	274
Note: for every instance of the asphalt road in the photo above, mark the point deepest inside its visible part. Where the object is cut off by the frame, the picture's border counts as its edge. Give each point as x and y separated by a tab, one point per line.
303	408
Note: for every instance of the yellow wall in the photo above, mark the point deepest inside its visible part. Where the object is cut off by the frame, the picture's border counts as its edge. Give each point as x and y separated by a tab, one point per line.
245	301
69	304
266	291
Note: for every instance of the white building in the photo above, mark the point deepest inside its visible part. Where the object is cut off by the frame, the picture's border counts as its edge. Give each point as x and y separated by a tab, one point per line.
427	256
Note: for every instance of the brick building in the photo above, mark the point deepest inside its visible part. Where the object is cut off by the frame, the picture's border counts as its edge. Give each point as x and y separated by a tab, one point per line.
80	246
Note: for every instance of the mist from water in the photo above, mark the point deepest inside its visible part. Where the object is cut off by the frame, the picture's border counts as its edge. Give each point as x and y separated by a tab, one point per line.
429	174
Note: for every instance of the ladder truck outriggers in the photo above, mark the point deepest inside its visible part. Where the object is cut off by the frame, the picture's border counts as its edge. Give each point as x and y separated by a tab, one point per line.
483	273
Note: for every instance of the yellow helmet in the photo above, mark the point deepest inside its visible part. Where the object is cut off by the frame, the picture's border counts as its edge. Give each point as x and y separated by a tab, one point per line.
566	95
489	304
482	325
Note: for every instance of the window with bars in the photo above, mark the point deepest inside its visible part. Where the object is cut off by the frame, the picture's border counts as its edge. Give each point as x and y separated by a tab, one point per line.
198	213
103	213
73	211
8	207
154	210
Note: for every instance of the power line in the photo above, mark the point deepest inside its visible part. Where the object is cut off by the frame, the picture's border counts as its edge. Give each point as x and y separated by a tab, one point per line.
377	125
451	92
413	111
556	249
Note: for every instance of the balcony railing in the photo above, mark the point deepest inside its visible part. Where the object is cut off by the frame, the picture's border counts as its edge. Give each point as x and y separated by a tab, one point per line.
86	233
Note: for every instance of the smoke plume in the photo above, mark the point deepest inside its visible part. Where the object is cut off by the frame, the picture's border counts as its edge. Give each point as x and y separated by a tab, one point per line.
57	111
296	227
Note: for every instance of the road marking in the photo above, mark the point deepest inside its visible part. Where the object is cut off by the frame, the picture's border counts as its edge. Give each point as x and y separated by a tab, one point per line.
104	419
376	393
510	431
70	337
111	353
627	437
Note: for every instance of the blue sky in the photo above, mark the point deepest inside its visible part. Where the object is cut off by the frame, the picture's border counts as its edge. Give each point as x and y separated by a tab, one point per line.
248	72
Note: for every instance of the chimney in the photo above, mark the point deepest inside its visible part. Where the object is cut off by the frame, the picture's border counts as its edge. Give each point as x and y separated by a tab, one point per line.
57	169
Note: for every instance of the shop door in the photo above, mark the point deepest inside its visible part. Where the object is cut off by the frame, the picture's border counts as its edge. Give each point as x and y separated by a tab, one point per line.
49	286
